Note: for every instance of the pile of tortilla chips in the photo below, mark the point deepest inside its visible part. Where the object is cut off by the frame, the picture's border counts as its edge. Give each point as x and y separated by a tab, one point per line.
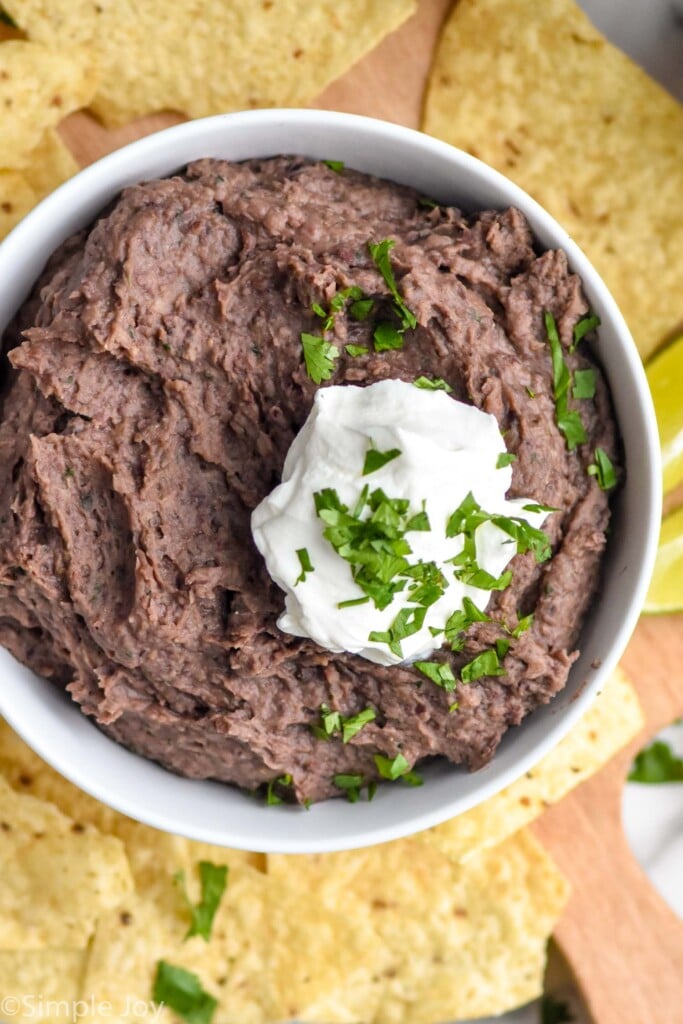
451	923
210	57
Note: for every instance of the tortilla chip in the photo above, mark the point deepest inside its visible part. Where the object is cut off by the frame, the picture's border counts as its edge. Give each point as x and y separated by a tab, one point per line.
50	164
461	941
272	956
16	199
154	856
609	724
532	88
39	86
56	875
40	984
156	56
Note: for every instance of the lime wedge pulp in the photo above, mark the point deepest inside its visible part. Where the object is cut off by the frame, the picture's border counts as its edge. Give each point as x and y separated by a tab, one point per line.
666	588
665	377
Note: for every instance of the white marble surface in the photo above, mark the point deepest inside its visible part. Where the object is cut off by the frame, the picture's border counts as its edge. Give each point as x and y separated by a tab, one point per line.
650	31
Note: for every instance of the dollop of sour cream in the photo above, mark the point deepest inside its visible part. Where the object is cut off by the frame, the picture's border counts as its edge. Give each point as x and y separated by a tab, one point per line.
447	450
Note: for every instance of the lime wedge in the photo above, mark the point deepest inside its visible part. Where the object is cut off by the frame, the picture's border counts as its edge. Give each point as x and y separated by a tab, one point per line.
665	377
666	588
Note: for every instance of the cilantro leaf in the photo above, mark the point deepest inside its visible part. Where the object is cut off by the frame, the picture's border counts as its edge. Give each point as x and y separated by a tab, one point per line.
351	784
374	459
356	350
380	257
387	338
272	799
319	356
432	384
568	421
334	722
657	763
396	768
182	991
555	1012
603	470
581	329
522	626
335	165
485	664
439	672
361	309
353	725
429	204
305	563
584	384
505	459
213	880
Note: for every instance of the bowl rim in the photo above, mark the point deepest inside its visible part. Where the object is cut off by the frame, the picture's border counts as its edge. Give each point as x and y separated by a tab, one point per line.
104	177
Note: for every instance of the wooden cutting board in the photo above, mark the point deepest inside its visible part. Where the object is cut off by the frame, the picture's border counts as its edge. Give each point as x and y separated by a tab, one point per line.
624	943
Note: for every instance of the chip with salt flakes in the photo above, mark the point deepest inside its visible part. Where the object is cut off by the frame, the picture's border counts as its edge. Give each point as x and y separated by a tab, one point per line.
461	941
39	85
155	857
273	955
40	984
212	58
50	164
532	88
612	720
56	875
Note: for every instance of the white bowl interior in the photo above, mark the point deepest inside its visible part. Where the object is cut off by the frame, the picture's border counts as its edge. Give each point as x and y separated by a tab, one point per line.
51	724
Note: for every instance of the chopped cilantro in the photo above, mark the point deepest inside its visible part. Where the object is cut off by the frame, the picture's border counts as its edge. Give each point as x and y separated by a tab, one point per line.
407	622
485	664
182	992
272	799
319	356
469	516
353	725
374	459
657	763
396	768
380	257
439	672
530	392
213	879
361	309
334	722
584	384
428	203
452	708
502	646
305	563
603	470
337	303
522	626
387	338
356	350
352	602
555	1012
535	506
581	329
568	420
371	538
505	459
335	165
432	384
351	784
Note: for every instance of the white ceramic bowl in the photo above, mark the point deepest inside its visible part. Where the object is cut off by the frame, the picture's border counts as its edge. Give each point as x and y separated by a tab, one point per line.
54	726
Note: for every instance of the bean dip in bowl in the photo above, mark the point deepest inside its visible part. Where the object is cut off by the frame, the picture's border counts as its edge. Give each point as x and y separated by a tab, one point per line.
330	481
